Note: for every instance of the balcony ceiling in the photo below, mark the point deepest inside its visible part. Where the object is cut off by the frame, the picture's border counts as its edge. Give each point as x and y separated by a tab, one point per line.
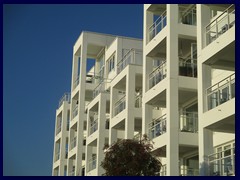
93	50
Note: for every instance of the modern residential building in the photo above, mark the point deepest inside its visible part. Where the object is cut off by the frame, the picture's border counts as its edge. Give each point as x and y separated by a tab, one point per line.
177	86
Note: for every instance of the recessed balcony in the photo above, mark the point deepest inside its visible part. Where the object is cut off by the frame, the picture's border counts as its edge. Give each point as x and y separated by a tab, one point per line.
220	25
120	105
157	127
92	163
221	92
132	57
157	75
157	26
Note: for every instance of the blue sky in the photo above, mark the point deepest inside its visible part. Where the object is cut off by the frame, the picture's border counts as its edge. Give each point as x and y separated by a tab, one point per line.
37	60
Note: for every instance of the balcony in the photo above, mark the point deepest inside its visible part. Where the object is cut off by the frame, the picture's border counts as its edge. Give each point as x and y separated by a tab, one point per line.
75	112
188	121
120	105
74	142
188	67
157	75
132	57
220	25
57	156
187	14
222	163
138	101
157	26
58	130
93	126
101	87
76	82
221	92
157	127
65	97
92	163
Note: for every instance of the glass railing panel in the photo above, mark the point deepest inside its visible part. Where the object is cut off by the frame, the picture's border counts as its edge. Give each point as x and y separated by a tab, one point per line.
188	121
120	105
220	25
157	127
157	75
157	26
221	92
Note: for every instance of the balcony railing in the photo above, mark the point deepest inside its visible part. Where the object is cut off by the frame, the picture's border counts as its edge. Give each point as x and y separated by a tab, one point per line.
92	163
58	130
157	26
101	87
65	97
188	67
188	17
132	57
222	163
120	105
188	121
221	24
157	75
157	127
137	136
57	156
74	142
75	111
138	101
76	82
93	127
221	92
189	171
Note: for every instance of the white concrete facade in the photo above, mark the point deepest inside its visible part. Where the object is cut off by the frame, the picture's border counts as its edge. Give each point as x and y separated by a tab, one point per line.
177	86
60	153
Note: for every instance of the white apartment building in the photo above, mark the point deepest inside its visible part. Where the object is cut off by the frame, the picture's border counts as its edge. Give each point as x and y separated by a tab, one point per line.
177	86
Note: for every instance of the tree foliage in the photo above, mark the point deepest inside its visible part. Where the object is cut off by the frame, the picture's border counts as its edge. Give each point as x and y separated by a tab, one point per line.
130	157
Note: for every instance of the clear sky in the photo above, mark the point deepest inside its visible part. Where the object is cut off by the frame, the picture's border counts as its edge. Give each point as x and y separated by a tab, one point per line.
37	60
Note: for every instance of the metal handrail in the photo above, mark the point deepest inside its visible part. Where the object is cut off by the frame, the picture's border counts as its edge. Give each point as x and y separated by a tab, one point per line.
118	103
157	22
93	127
214	92
92	163
226	10
157	127
66	97
157	71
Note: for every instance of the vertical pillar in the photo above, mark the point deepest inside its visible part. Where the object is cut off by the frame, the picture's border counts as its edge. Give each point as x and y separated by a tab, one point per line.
147	118
81	107
204	81
172	150
112	131
101	132
130	103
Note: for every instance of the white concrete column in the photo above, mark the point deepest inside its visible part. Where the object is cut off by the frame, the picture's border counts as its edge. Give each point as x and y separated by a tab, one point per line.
112	131
88	156
147	118
172	150
147	21
101	131
130	103
81	106
205	148
204	81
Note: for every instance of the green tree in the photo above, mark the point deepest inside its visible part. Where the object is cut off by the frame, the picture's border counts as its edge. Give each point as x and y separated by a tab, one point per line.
130	157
